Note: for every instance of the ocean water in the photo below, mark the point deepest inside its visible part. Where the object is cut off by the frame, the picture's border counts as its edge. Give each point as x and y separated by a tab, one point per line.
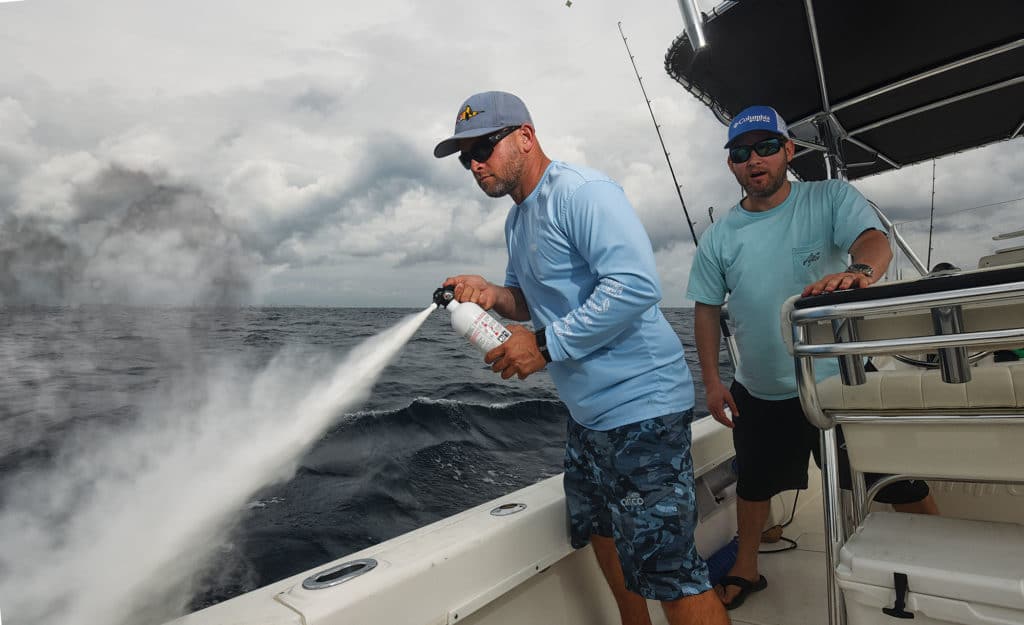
93	398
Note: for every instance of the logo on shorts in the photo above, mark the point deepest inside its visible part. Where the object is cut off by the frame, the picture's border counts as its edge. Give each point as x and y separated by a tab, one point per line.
632	500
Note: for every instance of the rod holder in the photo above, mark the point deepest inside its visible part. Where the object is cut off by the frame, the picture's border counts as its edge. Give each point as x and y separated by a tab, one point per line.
851	368
953	361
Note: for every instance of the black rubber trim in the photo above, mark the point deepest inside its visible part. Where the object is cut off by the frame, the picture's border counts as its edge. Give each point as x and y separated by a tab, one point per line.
917	287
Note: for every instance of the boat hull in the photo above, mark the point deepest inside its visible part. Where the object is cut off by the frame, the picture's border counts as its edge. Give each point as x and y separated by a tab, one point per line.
503	562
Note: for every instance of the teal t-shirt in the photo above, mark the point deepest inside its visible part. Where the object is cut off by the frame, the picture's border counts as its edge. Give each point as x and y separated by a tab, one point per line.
761	259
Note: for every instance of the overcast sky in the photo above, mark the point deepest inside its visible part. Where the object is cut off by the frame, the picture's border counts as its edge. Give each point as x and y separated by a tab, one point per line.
204	152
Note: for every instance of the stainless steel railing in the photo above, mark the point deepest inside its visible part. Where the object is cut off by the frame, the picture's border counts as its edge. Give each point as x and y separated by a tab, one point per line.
850	323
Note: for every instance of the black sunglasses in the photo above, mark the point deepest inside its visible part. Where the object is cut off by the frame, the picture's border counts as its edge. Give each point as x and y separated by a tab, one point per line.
767	147
482	149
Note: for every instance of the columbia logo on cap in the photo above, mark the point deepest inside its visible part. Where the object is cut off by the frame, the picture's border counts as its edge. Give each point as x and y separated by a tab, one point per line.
757	118
751	118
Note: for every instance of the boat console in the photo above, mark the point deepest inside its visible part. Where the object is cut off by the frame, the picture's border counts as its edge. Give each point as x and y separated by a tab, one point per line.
961	419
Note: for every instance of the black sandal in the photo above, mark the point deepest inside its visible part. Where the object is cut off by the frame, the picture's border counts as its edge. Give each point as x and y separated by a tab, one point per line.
746	587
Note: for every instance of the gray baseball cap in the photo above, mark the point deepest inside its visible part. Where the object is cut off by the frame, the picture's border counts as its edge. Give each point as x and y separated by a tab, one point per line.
483	114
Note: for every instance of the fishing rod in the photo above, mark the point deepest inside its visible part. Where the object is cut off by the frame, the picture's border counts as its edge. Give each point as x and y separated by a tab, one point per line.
657	128
730	341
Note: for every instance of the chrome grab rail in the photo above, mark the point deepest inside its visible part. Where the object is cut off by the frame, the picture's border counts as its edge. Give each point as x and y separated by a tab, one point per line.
927	364
924	303
909	303
835	531
805	354
988	338
890	479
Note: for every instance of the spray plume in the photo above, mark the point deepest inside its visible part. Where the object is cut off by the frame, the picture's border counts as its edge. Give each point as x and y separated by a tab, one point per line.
117	534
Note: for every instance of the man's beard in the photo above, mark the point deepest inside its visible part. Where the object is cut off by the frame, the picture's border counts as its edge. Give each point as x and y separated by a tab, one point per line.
776	184
507	180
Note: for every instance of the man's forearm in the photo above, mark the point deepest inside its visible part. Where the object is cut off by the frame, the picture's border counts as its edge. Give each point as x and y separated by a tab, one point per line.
708	337
872	248
512	304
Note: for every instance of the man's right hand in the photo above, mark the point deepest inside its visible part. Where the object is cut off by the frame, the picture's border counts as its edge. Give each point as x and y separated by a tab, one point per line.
719	401
473	288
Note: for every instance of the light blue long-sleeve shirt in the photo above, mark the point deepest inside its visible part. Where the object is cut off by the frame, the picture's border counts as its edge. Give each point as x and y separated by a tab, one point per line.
584	262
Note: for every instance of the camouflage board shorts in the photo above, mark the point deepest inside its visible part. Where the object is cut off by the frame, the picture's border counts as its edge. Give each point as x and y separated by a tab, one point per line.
635	484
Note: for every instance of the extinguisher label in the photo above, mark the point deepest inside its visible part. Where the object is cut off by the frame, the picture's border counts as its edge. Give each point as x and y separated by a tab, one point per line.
487	333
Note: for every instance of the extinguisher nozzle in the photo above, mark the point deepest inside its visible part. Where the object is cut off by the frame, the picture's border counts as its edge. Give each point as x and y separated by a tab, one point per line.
443	296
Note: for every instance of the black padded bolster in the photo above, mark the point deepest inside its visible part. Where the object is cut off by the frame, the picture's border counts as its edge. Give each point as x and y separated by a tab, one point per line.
921	286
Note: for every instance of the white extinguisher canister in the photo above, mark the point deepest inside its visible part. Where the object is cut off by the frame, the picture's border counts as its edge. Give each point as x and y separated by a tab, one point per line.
482	330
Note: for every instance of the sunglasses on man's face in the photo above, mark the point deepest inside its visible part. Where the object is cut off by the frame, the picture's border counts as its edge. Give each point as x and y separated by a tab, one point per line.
741	153
483	148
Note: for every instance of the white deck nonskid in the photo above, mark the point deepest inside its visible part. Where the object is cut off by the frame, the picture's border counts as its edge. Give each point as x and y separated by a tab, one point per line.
796	578
795	593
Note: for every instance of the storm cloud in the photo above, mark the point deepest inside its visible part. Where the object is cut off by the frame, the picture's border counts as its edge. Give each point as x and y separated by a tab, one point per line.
284	157
126	238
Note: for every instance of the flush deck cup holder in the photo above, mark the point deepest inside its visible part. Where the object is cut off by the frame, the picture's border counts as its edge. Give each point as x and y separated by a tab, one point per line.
339	574
506	509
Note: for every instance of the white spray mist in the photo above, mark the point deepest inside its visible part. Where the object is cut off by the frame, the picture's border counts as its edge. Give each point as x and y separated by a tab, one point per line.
133	515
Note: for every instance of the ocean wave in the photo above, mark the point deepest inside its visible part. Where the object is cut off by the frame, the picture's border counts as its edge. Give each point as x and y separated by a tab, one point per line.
442	407
389	443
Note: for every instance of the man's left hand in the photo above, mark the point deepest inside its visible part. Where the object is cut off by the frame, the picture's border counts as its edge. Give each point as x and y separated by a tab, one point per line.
516	356
838	282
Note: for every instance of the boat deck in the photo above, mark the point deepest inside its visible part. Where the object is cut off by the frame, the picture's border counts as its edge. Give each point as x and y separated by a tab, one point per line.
796	578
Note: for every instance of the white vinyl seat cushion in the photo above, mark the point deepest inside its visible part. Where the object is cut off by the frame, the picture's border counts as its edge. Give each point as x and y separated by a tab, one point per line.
991	387
971	450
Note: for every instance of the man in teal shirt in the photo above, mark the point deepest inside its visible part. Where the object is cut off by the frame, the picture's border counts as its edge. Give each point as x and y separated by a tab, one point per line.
581	268
782	239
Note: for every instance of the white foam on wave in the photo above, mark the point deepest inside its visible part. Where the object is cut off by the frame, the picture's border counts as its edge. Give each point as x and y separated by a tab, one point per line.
118	532
441	401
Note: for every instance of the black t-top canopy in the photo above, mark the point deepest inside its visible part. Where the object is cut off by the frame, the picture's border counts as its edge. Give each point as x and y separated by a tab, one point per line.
903	82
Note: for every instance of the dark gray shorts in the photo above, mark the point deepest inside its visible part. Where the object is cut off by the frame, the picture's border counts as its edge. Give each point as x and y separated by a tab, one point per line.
635	484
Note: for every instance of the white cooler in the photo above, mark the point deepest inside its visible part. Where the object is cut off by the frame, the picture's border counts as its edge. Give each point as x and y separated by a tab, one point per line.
957	571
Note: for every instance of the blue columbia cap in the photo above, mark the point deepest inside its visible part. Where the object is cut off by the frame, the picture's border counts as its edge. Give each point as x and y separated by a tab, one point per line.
757	118
483	114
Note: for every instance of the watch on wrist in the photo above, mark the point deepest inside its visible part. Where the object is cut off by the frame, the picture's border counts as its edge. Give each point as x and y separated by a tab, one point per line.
542	344
867	270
